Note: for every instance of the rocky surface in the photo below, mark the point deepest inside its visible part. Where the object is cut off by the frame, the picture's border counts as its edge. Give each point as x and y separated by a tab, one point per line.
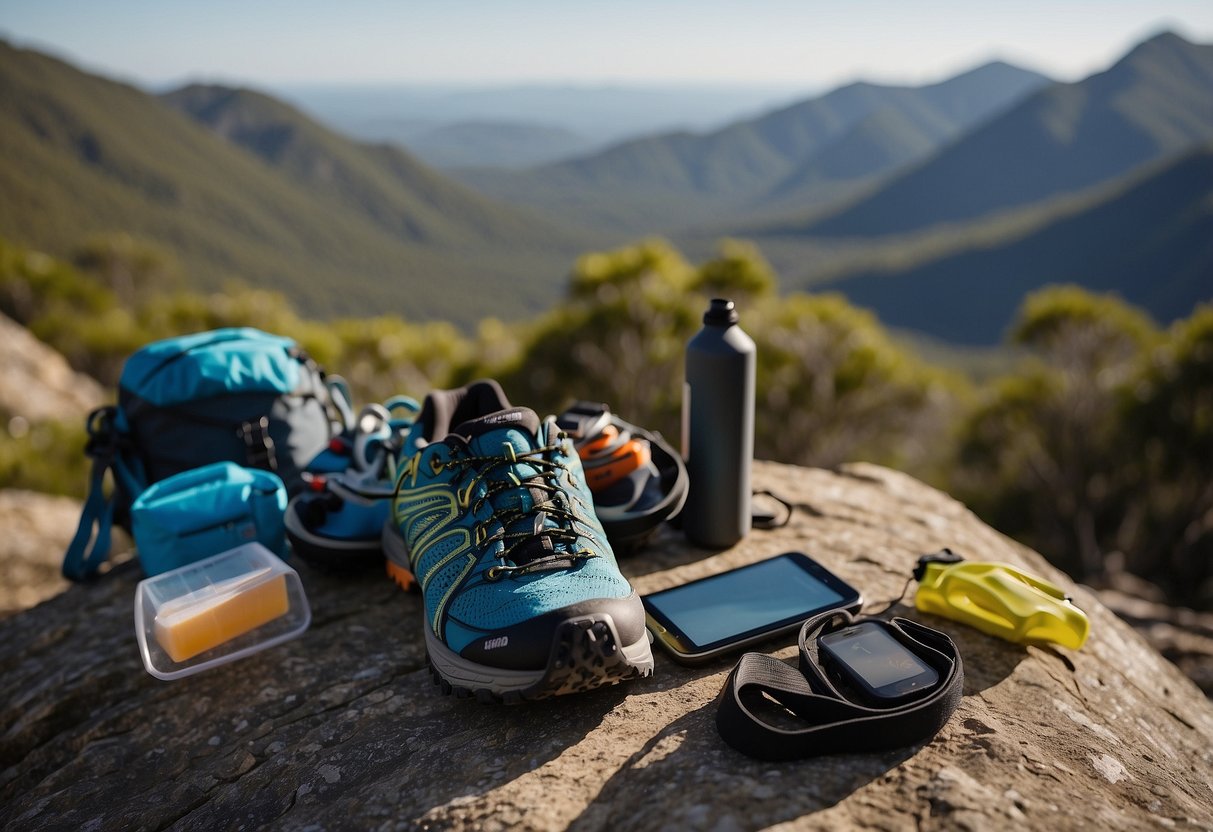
37	529
343	729
1183	636
36	382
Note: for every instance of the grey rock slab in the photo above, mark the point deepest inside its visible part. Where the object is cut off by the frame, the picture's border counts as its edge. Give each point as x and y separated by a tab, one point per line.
342	728
37	383
36	530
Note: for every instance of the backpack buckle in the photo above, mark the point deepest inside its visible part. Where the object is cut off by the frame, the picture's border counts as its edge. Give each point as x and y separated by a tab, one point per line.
258	445
102	435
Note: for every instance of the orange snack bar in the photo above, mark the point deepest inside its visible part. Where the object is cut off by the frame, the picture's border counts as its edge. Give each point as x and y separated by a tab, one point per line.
186	628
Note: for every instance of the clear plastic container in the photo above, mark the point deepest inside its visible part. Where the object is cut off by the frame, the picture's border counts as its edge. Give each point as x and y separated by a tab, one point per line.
218	610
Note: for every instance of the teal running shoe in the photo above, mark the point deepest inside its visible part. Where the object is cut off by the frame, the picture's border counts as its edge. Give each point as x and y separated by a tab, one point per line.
523	598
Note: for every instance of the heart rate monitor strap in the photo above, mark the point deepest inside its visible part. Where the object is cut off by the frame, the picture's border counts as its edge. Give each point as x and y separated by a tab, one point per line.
827	722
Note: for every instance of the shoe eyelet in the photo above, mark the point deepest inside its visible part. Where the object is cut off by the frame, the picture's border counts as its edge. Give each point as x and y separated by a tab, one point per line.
437	466
493	573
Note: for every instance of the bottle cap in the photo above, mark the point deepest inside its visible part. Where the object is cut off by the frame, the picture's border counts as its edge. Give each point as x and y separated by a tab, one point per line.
722	312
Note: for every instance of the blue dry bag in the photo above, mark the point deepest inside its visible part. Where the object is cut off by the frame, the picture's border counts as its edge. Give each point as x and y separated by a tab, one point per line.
205	511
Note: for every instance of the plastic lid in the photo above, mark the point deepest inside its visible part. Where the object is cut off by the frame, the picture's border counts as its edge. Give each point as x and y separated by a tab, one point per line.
722	312
217	610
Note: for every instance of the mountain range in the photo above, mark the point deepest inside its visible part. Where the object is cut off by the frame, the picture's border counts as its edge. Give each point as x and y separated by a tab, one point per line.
499	144
237	184
938	206
1155	101
795	156
600	114
1147	237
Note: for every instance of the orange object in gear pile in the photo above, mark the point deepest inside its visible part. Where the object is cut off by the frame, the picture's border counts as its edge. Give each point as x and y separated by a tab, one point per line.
598	444
602	474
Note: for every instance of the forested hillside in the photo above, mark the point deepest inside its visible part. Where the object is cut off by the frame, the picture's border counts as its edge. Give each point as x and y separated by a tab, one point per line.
341	227
1156	101
802	154
1149	239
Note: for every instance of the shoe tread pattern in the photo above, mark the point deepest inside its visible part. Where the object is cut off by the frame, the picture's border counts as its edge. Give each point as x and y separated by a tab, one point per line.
585	655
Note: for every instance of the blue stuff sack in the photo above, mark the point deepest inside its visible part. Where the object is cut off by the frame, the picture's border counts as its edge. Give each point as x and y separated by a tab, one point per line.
205	511
229	395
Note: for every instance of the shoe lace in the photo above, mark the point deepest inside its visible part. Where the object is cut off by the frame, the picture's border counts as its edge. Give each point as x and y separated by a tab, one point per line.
518	525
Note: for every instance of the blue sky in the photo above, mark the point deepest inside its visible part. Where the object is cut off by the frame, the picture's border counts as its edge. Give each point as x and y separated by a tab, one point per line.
809	43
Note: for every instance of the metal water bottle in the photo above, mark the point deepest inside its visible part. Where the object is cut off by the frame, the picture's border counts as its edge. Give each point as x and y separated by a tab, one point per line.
718	429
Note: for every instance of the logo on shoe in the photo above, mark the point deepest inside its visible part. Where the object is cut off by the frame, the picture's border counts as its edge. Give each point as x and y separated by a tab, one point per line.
503	418
494	643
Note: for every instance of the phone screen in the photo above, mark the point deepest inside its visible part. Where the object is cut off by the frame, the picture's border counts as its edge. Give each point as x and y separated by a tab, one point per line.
875	656
761	596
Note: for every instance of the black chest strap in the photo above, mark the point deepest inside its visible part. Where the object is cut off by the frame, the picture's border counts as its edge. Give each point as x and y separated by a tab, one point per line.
819	718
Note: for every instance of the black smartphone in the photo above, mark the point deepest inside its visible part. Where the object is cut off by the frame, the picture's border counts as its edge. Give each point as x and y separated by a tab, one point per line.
876	664
702	619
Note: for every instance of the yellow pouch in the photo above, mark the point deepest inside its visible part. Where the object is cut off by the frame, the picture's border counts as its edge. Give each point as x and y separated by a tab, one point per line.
999	600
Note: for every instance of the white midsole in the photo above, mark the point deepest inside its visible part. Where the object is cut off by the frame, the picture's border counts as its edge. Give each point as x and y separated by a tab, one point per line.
461	672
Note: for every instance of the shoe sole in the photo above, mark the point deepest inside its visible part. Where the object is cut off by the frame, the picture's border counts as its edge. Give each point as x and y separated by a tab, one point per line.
586	654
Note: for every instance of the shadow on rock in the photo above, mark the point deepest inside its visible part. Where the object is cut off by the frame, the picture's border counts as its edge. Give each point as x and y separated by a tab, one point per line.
987	660
685	777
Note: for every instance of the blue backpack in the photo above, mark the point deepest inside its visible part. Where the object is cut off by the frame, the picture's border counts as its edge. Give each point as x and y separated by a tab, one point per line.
229	395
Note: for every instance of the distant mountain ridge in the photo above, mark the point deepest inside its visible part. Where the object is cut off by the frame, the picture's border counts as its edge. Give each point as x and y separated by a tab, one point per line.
1157	100
497	144
606	113
1148	238
693	175
262	194
398	193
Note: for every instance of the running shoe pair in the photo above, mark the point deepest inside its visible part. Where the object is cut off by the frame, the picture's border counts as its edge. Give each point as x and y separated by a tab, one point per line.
493	518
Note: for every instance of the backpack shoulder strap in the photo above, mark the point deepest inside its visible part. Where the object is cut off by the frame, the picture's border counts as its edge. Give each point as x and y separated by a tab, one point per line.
82	560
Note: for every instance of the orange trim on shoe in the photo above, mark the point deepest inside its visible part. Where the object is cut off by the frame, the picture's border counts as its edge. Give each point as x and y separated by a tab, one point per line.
403	577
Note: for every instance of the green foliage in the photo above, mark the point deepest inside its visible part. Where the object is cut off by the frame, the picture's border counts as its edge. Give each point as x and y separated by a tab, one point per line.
1100	440
34	285
384	356
740	272
46	456
1169	420
1101	443
832	387
128	267
619	339
250	188
1080	331
1174	396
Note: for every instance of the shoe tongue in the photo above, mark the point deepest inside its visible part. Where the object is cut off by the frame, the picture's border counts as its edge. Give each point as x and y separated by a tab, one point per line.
517	424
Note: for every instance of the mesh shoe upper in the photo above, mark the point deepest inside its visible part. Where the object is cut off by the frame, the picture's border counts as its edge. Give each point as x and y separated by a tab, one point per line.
499	524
